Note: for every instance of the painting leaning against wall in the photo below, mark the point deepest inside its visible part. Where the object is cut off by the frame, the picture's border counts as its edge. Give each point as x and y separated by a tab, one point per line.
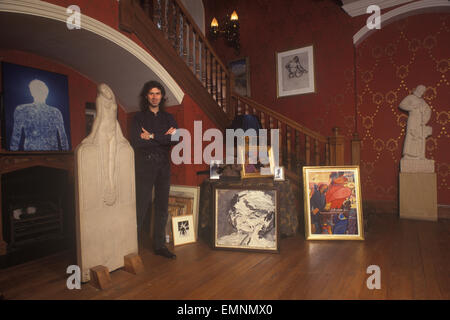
332	203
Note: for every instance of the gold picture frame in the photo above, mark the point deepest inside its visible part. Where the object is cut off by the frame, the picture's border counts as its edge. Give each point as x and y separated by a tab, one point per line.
333	208
253	170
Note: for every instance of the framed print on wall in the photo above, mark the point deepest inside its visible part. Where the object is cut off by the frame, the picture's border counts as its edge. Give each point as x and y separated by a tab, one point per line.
246	219
36	109
333	207
240	69
295	72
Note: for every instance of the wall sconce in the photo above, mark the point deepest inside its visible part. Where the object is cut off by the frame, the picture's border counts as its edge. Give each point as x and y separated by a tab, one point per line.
230	31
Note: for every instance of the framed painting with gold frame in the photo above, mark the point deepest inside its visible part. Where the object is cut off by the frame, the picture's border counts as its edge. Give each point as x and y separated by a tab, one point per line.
251	164
333	209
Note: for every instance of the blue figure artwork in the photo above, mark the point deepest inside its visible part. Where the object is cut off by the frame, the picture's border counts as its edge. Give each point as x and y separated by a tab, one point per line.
36	109
39	123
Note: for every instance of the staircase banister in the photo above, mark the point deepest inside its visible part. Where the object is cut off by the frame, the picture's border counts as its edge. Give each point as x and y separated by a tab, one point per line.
133	19
282	118
200	34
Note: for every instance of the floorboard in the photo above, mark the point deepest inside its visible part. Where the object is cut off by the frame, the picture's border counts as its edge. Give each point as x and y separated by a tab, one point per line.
413	256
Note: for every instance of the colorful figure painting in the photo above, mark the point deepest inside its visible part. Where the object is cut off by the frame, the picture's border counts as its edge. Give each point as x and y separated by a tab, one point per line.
332	203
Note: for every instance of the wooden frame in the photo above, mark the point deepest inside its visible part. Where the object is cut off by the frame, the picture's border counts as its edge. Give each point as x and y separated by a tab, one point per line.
183	230
246	219
252	170
295	72
240	68
333	207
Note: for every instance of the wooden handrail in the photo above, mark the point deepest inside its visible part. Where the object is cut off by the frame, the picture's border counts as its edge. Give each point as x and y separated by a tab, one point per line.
202	86
180	46
199	33
177	26
291	123
316	147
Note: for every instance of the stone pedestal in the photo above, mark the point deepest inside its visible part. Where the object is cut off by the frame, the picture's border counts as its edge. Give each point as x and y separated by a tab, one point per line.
418	196
417	165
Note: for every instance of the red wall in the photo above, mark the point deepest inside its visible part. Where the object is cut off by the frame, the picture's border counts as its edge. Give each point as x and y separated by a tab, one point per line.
269	26
81	90
391	63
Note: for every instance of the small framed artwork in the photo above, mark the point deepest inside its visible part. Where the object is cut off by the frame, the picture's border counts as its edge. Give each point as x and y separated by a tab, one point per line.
278	174
295	72
240	68
215	169
178	206
246	219
252	166
333	207
183	230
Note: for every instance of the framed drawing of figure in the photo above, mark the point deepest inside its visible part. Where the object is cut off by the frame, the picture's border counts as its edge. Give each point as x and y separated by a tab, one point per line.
295	72
36	107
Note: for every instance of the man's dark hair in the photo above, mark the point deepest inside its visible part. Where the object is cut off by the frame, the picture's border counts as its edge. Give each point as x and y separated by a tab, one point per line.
143	95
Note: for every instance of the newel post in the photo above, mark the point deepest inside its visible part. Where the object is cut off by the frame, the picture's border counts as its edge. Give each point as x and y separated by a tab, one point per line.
337	148
356	149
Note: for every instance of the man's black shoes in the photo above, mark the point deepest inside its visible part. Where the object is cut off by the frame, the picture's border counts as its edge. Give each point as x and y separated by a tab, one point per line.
165	253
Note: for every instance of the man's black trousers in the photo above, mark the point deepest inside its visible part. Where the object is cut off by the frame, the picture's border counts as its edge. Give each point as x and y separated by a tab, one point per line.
152	171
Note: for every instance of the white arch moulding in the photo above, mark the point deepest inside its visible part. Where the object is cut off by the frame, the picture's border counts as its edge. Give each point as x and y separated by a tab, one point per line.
97	29
414	8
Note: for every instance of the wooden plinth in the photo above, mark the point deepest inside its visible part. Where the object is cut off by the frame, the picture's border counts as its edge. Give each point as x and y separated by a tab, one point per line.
100	277
133	263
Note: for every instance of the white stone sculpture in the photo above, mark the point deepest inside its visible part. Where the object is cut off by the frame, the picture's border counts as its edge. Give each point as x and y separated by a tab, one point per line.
417	131
106	201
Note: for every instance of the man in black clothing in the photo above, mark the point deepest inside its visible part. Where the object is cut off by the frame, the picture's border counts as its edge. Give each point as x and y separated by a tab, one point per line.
151	134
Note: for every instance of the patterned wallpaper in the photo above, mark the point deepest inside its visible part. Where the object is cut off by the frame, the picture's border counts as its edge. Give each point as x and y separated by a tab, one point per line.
390	64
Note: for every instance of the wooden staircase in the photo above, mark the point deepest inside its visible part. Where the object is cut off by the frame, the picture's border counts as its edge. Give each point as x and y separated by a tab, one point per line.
170	33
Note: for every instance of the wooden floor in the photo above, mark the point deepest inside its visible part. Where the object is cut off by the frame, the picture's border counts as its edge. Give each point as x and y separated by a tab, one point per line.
414	258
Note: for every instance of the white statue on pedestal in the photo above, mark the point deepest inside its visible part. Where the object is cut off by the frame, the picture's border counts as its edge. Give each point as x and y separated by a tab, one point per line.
106	201
417	131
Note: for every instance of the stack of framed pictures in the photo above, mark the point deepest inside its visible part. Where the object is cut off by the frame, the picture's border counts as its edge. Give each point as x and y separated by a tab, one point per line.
182	224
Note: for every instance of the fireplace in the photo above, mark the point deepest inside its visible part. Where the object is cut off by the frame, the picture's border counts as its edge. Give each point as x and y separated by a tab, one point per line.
36	211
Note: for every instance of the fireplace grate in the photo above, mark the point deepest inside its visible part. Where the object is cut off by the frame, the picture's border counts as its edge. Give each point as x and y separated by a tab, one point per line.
35	222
